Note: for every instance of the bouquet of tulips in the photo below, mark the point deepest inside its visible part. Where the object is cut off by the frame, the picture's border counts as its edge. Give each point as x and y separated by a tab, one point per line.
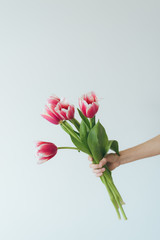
88	136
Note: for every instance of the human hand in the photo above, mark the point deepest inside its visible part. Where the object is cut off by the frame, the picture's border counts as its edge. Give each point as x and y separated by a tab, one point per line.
111	160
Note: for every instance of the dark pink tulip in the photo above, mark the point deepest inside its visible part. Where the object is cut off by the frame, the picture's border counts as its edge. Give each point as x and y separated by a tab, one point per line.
58	110
88	104
65	110
45	151
53	100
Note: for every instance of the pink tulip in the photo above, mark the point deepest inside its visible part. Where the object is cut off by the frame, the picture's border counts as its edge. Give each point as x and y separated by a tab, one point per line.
53	100
88	104
45	151
58	110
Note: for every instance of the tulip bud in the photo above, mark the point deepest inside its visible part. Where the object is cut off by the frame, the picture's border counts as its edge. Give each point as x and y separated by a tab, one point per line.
88	104
45	151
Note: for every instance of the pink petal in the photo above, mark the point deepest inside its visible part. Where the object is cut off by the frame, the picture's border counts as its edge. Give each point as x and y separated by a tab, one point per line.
90	98
52	114
53	100
92	110
52	120
80	103
39	143
44	159
94	96
57	111
48	149
64	114
70	113
84	107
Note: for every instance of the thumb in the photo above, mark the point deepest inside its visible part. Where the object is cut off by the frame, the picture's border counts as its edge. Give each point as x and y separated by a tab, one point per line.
102	162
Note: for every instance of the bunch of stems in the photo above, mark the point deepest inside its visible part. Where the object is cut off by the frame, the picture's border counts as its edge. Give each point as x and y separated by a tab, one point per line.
106	178
115	196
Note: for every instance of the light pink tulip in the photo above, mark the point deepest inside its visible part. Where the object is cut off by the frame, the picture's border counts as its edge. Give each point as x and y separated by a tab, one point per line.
45	151
88	104
58	110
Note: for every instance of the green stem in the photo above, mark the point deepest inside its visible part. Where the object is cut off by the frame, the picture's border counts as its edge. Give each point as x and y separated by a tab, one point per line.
68	148
75	123
66	126
112	197
117	200
118	194
106	178
92	122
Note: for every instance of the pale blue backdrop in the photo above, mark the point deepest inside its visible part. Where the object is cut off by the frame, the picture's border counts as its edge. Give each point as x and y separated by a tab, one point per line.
69	48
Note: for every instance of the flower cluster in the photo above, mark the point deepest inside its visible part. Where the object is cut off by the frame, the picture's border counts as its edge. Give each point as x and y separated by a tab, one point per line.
88	136
58	110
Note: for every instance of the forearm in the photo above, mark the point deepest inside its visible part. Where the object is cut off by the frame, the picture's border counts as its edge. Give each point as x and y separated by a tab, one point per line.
147	149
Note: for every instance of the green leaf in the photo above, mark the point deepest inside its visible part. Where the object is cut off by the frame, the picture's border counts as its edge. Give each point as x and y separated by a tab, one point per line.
102	137
81	146
83	133
97	141
84	118
113	145
108	145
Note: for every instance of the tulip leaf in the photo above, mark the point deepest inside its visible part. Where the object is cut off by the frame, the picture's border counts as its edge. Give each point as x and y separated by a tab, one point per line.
84	118
108	145
83	133
80	145
113	145
97	141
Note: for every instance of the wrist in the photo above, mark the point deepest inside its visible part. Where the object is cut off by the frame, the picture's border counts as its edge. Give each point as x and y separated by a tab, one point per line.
125	157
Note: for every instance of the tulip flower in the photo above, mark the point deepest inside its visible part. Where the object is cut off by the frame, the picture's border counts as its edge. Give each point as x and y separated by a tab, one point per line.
57	111
45	151
53	100
88	104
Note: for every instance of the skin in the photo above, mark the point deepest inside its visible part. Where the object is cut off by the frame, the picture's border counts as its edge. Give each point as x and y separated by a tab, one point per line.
147	149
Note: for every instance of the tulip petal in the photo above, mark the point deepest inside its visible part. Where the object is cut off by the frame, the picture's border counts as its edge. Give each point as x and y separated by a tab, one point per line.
84	105
92	110
39	143
48	149
53	100
50	119
70	113
44	159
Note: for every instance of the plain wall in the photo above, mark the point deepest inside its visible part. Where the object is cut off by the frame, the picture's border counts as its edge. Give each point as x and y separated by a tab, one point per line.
69	48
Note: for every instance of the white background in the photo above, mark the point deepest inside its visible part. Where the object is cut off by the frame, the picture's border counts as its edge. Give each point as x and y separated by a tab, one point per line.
69	48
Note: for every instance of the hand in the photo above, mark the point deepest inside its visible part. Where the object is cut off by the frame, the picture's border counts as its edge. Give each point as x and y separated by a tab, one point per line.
111	160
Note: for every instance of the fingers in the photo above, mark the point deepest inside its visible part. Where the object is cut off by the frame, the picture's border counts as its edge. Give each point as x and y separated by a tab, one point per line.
99	174
102	162
97	168
90	158
99	165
